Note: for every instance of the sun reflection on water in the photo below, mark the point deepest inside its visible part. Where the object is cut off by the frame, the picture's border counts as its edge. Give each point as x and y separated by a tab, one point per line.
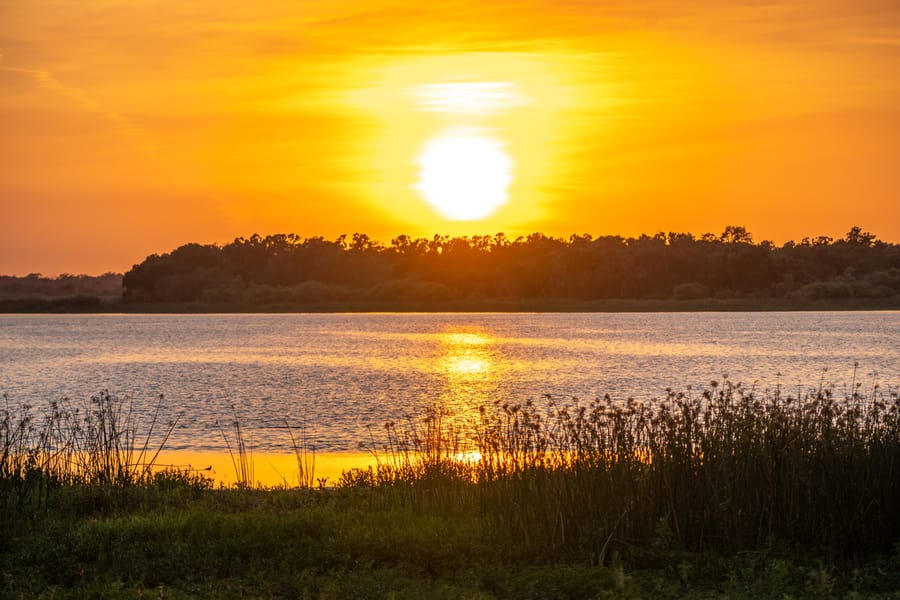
466	355
472	456
460	338
466	365
469	364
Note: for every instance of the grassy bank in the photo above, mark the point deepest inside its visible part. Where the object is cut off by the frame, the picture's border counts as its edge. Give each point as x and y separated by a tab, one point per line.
177	541
721	492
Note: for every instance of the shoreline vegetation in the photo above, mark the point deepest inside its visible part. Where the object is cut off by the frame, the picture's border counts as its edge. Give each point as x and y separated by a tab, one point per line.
660	272
725	492
92	305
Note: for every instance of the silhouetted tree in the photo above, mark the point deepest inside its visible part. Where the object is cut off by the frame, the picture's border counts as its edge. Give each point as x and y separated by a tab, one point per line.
286	268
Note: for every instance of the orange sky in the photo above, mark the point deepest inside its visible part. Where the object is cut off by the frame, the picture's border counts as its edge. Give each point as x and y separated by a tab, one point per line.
130	127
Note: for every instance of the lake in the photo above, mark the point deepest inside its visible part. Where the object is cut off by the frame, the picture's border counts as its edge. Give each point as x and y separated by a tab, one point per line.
345	375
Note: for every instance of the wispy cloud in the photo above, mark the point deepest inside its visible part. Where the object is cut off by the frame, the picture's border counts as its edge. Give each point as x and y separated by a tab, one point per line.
77	96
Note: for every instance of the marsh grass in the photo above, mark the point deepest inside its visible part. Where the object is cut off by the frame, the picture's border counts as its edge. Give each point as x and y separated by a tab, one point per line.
305	453
726	468
723	492
240	450
98	443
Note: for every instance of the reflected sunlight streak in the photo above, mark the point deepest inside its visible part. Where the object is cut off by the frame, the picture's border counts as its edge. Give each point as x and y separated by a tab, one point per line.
472	456
466	365
466	339
466	356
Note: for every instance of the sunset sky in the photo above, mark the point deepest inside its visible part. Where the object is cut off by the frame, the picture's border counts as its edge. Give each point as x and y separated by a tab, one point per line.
131	127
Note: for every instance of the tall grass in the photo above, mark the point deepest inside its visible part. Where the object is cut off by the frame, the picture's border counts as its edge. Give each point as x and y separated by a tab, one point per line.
305	453
98	444
240	451
726	468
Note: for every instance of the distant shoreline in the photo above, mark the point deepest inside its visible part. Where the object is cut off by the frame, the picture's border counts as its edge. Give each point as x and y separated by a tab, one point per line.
83	305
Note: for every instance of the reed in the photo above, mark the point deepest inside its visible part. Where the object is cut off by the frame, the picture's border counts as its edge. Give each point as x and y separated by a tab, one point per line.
240	451
305	453
98	444
104	442
727	468
720	492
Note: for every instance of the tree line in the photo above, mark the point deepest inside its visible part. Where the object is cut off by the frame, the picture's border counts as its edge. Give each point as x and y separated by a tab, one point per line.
64	293
35	285
286	268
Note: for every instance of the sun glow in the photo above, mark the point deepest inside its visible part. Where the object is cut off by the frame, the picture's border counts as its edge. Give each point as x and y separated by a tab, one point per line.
469	98
468	137
464	175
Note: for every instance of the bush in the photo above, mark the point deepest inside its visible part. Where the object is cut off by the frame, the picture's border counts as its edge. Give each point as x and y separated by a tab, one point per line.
691	291
825	290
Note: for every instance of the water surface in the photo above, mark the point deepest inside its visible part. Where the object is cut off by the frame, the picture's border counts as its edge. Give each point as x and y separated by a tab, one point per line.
344	375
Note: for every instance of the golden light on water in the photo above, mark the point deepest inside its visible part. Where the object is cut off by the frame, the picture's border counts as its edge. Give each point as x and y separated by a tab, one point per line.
466	365
456	339
268	468
469	364
472	456
466	356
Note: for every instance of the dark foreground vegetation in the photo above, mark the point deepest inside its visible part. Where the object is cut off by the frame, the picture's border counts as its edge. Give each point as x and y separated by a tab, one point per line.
719	493
288	272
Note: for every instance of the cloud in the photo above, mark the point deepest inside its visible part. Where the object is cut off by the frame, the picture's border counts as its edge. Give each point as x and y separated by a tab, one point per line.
79	97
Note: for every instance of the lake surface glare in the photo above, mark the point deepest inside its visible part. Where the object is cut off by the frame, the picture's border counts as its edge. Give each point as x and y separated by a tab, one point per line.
345	375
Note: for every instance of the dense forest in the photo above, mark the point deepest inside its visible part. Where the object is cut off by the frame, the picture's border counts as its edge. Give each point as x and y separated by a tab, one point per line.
285	269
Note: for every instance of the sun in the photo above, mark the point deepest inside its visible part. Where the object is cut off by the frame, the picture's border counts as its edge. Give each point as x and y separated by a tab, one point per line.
451	141
464	174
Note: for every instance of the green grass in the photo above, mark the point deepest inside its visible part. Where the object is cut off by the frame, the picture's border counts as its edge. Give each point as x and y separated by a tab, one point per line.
303	543
719	493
